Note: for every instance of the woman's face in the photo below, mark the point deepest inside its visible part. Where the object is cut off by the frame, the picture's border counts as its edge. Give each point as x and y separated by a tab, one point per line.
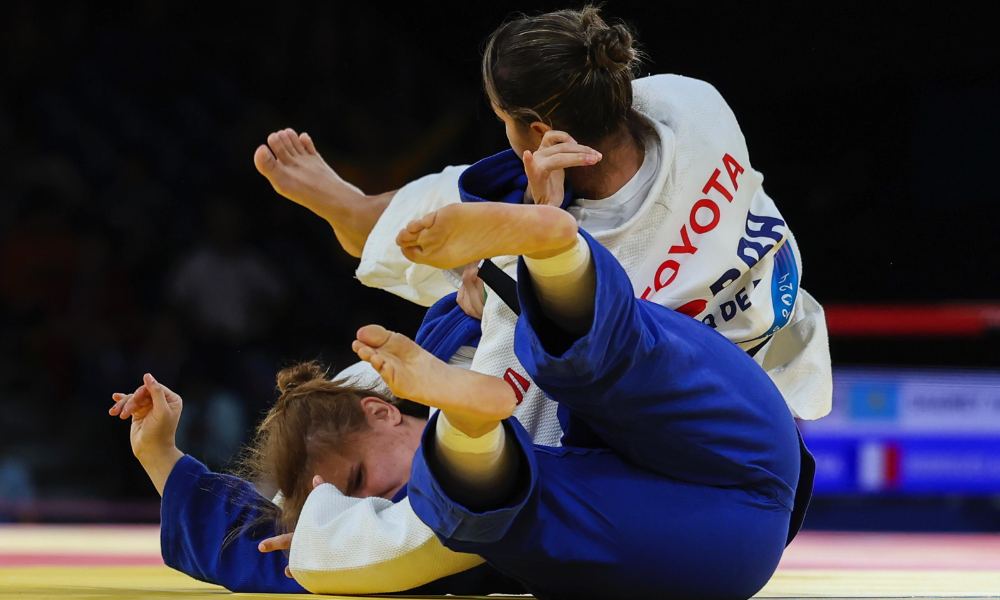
375	461
521	137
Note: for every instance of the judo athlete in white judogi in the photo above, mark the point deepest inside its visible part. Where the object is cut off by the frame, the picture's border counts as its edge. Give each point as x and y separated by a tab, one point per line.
691	227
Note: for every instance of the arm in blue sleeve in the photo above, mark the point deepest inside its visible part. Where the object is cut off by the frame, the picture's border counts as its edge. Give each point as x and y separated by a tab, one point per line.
202	511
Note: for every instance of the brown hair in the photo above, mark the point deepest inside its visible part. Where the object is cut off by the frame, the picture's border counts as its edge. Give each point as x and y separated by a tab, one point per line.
312	415
568	69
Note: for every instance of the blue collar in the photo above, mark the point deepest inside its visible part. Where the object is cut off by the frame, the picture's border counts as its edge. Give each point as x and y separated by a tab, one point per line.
400	495
498	178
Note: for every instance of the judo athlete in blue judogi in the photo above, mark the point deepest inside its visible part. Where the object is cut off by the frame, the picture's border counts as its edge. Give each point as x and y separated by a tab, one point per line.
681	462
680	470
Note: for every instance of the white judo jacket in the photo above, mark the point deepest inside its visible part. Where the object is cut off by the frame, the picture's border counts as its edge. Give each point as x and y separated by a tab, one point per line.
707	241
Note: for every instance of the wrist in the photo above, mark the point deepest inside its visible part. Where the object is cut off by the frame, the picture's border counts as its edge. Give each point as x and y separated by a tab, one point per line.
155	453
159	463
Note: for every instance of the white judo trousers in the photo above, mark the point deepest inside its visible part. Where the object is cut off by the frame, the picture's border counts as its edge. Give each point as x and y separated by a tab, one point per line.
707	241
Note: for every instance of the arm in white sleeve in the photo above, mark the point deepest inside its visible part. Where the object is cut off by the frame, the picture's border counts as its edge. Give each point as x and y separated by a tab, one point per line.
798	360
345	545
383	264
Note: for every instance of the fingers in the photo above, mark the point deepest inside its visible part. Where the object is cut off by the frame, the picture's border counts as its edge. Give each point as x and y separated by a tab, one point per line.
531	168
119	402
464	301
171	396
471	296
123	401
537	178
142	412
317	481
139	403
156	391
278	542
565	160
288	573
132	402
553	137
566	148
471	302
470	274
477	294
583	155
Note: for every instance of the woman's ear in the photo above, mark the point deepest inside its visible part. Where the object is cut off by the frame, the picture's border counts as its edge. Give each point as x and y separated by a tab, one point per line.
539	128
379	411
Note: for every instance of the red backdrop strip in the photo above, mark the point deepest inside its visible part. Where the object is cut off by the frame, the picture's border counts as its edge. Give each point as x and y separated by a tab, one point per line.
909	320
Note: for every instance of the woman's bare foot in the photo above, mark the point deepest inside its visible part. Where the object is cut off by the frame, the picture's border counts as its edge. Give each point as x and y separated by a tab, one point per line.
462	233
296	170
474	402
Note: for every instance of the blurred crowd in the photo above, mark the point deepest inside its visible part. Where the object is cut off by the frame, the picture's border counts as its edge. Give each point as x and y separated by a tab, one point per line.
136	236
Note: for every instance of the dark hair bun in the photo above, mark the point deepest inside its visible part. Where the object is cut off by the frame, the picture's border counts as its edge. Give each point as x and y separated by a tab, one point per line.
294	376
610	48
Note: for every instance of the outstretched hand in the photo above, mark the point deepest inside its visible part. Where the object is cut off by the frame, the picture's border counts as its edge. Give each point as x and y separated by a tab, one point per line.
546	167
155	412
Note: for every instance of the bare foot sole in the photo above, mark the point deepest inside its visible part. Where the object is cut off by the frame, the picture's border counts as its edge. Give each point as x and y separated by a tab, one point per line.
474	402
462	233
296	170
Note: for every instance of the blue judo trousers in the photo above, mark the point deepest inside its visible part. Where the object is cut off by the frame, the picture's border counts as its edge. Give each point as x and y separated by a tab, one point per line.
679	470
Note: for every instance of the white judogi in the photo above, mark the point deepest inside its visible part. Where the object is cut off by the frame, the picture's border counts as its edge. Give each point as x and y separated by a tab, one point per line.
706	241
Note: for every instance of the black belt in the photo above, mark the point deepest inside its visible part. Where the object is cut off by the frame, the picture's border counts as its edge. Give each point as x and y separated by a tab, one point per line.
501	283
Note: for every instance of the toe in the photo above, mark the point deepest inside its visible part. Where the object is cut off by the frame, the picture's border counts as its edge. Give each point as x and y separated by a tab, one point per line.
263	159
296	143
406	238
373	335
400	346
429	220
307	143
413	253
286	139
363	351
278	147
378	361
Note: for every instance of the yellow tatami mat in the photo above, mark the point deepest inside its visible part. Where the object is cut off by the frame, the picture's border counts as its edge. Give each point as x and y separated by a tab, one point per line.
123	562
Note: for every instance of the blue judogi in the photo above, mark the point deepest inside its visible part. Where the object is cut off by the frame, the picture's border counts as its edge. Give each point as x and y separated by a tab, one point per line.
688	480
205	532
204	519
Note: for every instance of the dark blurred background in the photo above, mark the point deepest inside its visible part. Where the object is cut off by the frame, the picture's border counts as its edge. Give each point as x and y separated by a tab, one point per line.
136	235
